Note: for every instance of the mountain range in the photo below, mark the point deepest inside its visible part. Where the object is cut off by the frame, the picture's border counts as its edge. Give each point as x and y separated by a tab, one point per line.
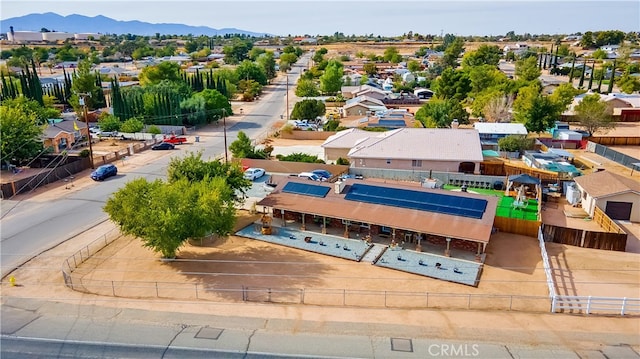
104	25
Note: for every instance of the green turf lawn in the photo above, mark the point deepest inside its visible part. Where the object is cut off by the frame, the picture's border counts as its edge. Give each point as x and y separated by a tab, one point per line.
505	205
506	209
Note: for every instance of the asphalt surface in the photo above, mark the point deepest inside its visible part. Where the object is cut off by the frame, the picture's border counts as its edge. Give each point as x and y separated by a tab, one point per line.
34	328
41	329
30	228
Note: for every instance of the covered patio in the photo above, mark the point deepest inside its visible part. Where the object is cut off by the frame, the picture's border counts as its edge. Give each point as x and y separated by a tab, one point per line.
449	225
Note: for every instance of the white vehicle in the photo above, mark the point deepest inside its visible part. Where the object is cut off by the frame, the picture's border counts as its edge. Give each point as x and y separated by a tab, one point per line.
309	176
304	125
253	173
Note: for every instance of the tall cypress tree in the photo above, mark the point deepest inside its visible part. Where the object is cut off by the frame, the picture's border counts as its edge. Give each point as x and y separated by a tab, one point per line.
593	69
612	78
600	80
573	66
584	69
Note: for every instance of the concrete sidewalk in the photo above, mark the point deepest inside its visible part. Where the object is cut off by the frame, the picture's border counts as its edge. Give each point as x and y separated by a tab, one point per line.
214	335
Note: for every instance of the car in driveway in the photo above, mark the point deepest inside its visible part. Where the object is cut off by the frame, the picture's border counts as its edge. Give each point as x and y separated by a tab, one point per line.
104	171
163	146
323	174
309	176
253	173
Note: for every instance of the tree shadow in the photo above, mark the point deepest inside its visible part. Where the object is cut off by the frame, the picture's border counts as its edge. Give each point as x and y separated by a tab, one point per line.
228	267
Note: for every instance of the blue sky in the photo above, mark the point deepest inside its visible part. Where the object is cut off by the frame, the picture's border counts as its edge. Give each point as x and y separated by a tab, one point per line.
387	18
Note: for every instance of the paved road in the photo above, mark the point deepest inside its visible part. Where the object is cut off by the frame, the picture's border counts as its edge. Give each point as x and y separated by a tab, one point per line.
33	328
31	227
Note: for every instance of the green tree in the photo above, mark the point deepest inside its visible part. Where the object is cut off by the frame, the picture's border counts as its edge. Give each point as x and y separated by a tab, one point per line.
516	143
390	53
439	113
268	63
628	83
452	52
214	103
331	80
132	125
242	148
248	70
237	51
109	123
541	114
308	109
307	88
587	40
370	68
484	77
21	138
527	69
413	66
193	110
289	58
166	70
484	55
32	109
84	85
165	215
153	129
250	89
593	114
564	94
255	52
194	169
452	84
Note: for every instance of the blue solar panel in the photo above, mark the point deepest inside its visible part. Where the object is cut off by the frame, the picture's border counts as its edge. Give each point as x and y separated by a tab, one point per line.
306	189
424	201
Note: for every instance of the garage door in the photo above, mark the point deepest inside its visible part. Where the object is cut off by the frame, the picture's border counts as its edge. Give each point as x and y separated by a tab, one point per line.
618	210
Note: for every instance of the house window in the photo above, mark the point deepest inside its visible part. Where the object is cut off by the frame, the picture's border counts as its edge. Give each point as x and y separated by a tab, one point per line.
416	163
388	161
584	195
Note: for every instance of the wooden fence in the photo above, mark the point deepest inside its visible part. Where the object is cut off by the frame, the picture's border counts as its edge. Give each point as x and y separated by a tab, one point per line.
616	141
50	175
605	222
585	239
511	169
306	135
517	226
45	176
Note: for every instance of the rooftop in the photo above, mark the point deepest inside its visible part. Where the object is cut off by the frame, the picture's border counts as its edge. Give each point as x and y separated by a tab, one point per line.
438	144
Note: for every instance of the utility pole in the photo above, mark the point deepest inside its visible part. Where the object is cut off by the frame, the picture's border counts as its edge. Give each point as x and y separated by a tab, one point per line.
224	129
83	103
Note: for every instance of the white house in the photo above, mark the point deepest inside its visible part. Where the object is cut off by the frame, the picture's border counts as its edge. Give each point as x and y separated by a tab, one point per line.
616	195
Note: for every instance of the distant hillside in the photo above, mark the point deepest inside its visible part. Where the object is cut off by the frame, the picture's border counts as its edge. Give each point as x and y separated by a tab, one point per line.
104	25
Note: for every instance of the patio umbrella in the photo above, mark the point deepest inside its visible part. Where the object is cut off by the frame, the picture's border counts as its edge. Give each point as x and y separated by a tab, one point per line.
523	179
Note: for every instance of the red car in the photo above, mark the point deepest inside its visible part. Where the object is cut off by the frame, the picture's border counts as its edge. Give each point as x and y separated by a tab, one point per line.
175	140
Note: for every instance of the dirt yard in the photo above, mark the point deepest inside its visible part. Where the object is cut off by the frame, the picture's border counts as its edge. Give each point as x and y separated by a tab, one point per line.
513	267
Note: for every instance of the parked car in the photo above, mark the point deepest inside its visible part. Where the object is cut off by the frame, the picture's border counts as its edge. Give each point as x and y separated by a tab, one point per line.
305	126
176	140
323	174
104	171
309	176
253	173
163	146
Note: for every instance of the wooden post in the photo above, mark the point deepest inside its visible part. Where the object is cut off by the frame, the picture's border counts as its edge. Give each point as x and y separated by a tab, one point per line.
447	252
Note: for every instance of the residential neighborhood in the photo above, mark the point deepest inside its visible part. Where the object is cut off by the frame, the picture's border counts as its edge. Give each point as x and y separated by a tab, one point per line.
404	177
